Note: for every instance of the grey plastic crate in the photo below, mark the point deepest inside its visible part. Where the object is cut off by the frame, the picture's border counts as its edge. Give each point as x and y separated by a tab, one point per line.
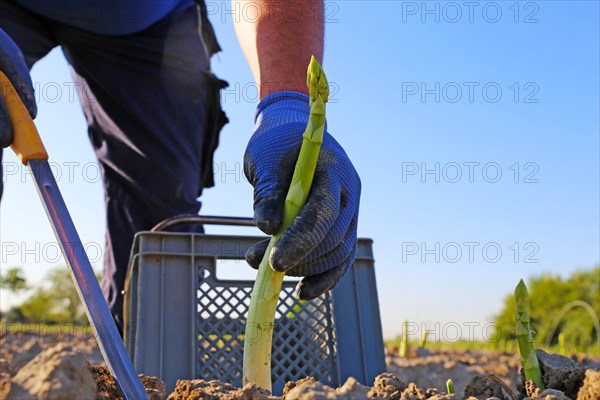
182	322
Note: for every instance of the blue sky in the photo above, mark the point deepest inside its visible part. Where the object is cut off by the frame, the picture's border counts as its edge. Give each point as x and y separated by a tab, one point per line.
475	129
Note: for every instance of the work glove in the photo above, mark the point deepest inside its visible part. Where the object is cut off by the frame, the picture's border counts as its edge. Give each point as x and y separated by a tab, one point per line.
321	243
14	67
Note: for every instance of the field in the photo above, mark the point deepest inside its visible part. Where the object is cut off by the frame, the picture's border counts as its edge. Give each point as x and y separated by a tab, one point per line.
54	362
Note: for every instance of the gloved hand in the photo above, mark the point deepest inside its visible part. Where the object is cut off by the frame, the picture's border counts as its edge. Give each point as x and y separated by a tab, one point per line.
321	242
13	65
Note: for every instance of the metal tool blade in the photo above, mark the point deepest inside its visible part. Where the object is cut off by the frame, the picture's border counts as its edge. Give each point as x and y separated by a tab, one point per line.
107	335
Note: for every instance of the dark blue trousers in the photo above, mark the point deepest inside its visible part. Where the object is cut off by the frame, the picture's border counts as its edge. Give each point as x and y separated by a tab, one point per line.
153	112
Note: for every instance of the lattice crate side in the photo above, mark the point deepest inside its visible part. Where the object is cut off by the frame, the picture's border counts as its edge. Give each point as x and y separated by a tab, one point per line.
222	307
314	317
219	336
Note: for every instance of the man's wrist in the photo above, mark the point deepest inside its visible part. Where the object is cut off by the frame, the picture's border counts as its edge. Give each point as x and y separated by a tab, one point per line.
267	88
283	107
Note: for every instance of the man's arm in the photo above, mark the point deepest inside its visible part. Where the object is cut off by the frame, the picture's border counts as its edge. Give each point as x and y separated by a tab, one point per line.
320	245
279	41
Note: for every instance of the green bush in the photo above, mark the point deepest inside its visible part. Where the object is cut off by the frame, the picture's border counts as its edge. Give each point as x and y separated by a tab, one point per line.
54	301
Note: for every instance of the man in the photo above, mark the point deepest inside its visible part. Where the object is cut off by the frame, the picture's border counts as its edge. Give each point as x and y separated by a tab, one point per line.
153	111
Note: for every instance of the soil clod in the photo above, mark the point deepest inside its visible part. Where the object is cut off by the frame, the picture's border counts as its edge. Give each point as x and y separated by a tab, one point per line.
531	389
58	372
312	390
387	386
482	389
352	389
552	394
292	384
590	390
199	389
412	392
444	396
6	370
20	356
106	386
561	373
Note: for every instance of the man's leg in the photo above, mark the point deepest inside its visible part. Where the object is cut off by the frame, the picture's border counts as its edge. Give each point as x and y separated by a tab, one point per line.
149	104
32	36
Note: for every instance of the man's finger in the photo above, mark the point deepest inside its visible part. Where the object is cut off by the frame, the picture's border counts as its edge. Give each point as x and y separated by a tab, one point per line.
268	212
255	254
315	285
335	256
312	226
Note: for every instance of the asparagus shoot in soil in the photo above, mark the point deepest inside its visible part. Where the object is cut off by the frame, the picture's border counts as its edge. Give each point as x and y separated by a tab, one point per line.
529	361
450	386
404	341
424	338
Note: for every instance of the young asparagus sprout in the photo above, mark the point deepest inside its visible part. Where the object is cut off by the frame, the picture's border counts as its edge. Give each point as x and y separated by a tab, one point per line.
561	343
404	342
450	386
265	294
529	361
424	338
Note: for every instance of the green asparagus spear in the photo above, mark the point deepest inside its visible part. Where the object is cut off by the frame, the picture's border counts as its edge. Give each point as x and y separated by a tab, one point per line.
424	338
404	342
450	386
265	294
529	360
561	343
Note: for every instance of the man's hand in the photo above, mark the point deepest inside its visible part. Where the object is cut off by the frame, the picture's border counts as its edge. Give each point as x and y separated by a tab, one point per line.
13	65
321	243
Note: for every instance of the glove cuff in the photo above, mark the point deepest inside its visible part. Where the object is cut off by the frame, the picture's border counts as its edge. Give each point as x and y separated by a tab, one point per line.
283	107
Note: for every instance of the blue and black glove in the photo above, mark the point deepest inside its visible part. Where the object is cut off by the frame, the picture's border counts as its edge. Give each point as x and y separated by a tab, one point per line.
14	67
321	243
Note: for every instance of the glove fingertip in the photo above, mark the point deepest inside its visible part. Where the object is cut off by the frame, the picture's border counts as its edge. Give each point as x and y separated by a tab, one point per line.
255	254
315	285
268	215
6	132
277	260
289	252
30	104
306	290
252	261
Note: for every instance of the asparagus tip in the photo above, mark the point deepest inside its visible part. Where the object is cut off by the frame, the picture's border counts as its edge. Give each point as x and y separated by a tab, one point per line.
521	291
317	81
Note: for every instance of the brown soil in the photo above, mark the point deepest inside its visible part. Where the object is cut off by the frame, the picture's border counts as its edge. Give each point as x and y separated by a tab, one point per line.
54	373
591	386
216	390
42	369
434	369
106	387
